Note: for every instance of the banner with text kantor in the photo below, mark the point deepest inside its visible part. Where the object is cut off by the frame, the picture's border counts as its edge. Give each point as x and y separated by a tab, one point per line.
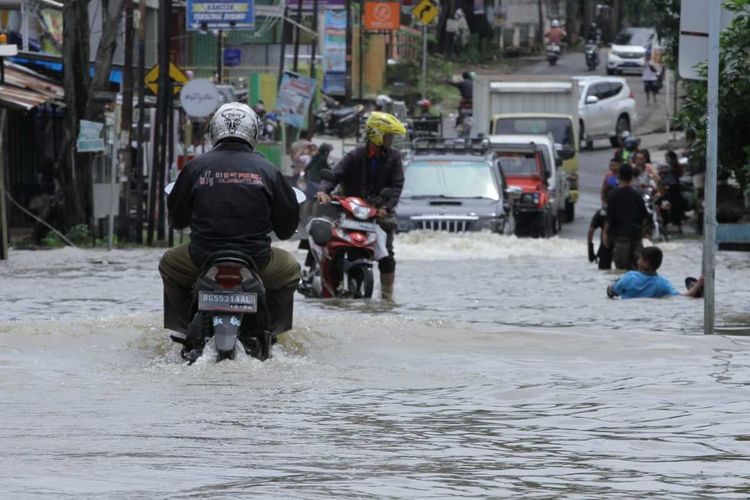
220	14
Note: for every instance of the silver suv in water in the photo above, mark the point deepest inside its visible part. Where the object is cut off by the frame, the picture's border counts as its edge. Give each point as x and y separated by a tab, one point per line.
451	185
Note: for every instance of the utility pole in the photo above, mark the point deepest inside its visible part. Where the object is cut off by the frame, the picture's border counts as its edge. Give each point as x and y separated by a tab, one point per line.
348	91
157	168
283	44
297	34
361	63
3	211
126	124
313	72
220	56
540	30
712	150
141	117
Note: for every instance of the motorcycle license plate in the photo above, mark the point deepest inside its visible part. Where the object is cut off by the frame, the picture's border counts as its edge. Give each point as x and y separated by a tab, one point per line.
242	302
357	225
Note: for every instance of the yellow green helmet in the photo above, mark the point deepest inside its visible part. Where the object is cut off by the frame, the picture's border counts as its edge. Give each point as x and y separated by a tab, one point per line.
379	124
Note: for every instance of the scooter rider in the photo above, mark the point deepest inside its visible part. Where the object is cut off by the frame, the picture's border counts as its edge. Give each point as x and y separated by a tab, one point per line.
365	172
555	33
232	198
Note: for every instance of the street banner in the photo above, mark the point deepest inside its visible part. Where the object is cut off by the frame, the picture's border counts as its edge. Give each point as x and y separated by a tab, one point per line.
90	138
382	16
220	14
292	103
334	40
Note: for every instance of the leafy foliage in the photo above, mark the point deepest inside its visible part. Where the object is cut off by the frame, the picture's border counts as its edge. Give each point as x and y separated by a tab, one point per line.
734	98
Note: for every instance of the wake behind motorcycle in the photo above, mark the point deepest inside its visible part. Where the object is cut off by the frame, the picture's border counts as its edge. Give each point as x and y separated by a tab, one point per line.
341	249
332	118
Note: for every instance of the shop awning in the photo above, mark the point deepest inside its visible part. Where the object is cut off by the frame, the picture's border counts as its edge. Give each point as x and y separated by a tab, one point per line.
24	89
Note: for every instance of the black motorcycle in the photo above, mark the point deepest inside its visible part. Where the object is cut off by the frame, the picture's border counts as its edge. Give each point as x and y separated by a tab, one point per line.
331	118
229	305
592	55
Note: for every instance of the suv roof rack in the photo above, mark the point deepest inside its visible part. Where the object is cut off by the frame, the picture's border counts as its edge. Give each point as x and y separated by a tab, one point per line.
451	145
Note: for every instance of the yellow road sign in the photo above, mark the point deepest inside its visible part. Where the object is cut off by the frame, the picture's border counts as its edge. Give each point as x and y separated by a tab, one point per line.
426	11
175	74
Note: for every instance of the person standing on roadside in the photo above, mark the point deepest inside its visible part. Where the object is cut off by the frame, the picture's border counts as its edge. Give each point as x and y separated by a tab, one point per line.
626	214
650	80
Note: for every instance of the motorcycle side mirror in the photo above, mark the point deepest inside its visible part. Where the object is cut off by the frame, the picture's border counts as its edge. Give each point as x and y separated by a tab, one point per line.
566	153
327	175
386	194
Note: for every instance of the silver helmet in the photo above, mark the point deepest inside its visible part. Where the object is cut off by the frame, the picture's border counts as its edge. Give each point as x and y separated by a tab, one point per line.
238	120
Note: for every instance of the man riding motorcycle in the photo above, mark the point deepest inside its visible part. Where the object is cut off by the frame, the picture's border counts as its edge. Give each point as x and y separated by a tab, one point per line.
232	198
365	172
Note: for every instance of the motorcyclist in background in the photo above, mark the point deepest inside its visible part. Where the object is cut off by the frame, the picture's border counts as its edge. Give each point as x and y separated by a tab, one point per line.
555	33
594	37
364	172
232	198
466	88
594	34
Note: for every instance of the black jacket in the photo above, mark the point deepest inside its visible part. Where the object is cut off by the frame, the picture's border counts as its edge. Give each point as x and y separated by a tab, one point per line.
232	199
465	87
626	213
358	178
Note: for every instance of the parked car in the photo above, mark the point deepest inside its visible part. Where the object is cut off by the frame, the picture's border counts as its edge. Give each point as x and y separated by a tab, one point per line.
531	167
628	51
451	185
606	108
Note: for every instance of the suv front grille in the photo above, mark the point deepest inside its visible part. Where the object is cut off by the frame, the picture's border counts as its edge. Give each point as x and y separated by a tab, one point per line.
445	223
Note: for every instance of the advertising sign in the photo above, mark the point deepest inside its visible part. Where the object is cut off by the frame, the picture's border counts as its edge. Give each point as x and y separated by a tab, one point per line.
200	98
334	41
220	14
90	138
293	101
381	16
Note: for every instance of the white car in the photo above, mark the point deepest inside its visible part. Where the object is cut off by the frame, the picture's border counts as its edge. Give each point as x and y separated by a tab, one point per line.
628	51
606	108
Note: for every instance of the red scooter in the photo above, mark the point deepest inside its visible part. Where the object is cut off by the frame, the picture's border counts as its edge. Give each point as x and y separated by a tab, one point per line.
341	249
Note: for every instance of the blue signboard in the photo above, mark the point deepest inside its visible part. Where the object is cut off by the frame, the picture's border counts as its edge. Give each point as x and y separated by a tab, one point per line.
220	14
232	57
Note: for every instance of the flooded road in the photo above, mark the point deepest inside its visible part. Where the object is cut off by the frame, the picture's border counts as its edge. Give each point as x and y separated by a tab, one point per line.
502	370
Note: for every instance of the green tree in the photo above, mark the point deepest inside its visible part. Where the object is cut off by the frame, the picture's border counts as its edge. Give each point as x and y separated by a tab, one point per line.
734	97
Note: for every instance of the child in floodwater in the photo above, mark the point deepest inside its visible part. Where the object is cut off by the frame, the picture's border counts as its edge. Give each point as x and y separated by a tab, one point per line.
646	283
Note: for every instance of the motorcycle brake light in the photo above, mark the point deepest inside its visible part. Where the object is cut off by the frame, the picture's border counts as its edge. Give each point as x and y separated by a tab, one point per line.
228	276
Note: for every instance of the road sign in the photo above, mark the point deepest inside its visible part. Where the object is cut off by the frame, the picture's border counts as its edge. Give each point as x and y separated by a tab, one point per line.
200	98
426	11
175	74
220	14
694	35
382	16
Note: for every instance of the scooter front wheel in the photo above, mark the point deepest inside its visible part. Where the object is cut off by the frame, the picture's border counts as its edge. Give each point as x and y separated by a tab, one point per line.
361	282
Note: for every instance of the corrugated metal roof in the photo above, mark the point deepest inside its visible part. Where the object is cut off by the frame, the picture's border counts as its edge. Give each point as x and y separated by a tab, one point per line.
24	89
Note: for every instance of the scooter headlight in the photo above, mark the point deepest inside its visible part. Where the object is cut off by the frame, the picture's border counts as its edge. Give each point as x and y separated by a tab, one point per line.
340	233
